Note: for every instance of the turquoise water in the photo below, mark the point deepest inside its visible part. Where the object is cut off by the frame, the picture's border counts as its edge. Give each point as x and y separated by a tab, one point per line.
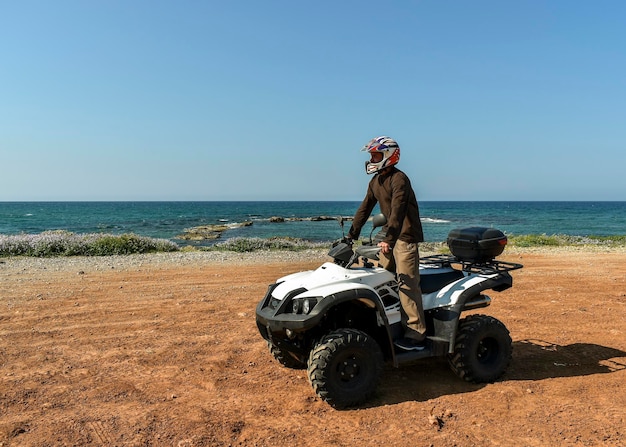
169	219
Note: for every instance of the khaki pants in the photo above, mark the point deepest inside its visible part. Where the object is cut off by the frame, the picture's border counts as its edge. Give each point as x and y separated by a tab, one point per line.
404	261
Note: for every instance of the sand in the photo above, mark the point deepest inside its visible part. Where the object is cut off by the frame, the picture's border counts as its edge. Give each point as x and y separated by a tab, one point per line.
163	350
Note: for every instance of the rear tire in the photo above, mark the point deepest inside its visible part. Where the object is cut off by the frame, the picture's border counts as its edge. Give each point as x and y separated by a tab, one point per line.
482	349
344	367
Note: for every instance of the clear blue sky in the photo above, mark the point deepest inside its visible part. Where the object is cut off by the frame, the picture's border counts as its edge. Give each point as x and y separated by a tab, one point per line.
272	100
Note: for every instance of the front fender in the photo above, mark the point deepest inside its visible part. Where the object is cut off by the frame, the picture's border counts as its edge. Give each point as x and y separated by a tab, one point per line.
276	319
273	319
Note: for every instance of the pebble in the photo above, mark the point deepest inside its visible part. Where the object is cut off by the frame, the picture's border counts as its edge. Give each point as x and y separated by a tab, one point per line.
82	264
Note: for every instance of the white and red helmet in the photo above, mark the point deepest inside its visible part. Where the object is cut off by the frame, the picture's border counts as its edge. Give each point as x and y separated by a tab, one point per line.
388	147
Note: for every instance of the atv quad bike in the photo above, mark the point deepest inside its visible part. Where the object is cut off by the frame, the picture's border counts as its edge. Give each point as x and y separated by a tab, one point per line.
340	320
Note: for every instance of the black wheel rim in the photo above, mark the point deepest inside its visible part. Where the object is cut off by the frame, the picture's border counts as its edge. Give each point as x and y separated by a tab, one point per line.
487	351
349	370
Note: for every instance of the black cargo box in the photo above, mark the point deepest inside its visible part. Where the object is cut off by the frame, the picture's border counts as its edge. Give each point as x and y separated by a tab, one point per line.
476	244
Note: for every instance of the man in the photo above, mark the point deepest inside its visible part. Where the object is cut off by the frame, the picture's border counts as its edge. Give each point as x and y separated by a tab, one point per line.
392	190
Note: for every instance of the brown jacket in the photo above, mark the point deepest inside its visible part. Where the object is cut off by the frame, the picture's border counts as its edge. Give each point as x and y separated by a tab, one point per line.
393	191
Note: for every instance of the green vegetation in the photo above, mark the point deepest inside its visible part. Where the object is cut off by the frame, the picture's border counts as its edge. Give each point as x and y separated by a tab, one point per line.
561	240
65	243
534	240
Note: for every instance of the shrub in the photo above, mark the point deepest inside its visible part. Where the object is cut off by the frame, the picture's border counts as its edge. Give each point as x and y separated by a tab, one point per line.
65	243
534	240
243	244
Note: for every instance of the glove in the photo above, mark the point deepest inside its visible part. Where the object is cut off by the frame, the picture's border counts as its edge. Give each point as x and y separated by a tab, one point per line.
343	240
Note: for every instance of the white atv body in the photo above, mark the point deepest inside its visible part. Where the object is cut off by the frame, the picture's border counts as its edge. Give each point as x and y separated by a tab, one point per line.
340	321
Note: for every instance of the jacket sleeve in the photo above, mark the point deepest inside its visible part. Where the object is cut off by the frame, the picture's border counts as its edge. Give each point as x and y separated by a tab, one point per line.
362	214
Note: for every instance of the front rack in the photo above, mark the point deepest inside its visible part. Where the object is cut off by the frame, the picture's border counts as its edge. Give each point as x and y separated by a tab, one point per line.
488	267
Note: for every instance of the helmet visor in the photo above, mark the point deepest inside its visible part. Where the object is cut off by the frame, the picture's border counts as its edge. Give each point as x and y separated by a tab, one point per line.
376	157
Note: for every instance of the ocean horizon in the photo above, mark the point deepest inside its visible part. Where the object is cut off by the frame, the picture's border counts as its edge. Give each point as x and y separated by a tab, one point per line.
309	220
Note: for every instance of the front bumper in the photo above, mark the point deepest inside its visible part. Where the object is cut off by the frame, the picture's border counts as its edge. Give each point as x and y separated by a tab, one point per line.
271	316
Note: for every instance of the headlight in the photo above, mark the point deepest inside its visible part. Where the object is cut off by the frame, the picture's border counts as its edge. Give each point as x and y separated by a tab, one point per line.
308	305
296	306
303	305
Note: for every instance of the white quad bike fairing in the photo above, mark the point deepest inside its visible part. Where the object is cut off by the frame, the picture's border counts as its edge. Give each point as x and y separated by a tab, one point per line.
331	278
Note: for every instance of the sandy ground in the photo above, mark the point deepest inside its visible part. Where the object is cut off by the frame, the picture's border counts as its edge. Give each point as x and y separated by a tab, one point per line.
168	354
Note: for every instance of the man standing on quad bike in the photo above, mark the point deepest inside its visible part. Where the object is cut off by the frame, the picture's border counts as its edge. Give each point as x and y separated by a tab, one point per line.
392	189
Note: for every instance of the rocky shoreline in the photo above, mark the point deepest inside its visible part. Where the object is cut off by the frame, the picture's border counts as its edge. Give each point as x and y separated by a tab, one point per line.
209	232
212	232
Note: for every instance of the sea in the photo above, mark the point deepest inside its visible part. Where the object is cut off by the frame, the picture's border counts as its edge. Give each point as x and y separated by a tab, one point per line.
308	220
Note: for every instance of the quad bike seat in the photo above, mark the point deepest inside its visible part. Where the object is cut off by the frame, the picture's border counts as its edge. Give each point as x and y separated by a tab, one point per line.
430	283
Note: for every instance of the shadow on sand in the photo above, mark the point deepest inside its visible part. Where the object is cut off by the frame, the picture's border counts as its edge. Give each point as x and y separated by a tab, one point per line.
537	359
532	360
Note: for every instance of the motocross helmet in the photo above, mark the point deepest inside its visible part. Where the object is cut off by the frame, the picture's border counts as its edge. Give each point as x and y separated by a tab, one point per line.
390	153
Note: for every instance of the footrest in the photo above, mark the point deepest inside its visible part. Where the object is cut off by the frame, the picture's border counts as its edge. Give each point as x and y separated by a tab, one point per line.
435	347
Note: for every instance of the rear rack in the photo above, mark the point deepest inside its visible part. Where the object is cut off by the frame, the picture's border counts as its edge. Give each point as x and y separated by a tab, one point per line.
488	267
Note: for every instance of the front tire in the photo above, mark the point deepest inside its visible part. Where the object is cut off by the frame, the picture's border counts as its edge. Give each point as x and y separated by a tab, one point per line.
284	358
482	350
344	367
